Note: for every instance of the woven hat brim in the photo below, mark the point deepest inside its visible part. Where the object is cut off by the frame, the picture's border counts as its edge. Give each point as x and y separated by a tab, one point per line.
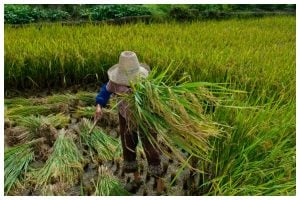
116	76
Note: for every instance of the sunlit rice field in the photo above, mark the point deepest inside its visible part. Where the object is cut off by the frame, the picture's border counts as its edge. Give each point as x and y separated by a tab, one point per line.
254	153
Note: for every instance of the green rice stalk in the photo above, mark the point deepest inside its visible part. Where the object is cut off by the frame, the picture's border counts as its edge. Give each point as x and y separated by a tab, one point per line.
106	146
108	185
64	164
16	162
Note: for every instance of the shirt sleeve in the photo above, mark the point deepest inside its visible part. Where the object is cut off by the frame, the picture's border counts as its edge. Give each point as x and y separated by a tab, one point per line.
103	96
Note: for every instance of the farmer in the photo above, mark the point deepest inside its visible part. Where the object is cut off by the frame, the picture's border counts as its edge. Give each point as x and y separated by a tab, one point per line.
127	71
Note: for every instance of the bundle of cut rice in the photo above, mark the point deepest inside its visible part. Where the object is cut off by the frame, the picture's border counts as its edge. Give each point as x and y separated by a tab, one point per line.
64	165
176	112
16	162
108	185
107	147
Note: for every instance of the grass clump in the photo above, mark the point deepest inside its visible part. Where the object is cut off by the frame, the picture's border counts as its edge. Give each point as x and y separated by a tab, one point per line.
258	156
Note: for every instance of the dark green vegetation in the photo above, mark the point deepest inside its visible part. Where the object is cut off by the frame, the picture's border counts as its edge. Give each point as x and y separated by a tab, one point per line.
22	14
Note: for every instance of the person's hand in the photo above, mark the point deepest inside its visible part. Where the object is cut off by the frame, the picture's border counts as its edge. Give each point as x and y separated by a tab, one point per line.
98	113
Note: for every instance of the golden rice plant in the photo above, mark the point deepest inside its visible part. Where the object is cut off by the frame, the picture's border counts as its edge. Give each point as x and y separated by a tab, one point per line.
208	50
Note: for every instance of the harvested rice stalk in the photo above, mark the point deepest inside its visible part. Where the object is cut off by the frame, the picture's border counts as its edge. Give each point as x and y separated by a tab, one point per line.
33	122
106	146
109	118
35	125
175	112
59	108
64	164
108	185
24	111
60	98
16	162
58	121
19	101
56	189
15	135
87	112
88	98
20	187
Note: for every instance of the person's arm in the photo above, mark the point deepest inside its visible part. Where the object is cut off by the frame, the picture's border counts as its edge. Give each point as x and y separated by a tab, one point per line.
103	96
101	101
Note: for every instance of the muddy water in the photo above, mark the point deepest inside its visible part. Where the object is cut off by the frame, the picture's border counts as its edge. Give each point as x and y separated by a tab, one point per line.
179	187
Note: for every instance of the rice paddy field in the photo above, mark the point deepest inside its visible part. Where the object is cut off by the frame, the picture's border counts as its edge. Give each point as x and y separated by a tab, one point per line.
48	150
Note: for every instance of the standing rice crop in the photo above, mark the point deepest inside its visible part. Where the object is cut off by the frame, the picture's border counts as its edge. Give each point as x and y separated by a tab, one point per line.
214	51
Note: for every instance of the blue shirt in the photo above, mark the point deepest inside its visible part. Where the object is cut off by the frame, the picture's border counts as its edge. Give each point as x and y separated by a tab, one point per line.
103	96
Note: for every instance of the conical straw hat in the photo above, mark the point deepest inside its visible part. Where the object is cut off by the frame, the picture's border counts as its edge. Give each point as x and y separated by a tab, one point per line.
127	70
